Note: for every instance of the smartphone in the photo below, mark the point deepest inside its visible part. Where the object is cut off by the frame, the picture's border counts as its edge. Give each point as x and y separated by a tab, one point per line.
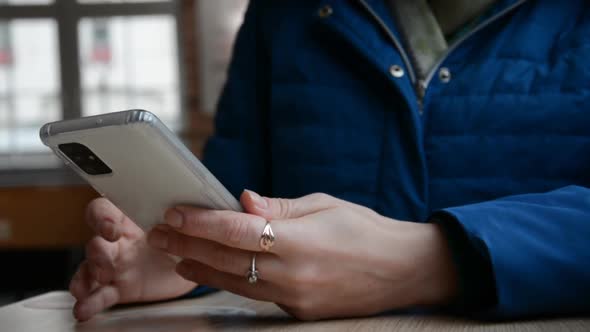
136	162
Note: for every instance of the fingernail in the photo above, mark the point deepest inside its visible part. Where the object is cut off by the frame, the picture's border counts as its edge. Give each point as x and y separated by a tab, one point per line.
174	218
259	202
158	239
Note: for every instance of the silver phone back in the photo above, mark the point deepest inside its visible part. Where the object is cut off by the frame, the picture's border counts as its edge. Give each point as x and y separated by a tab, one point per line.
152	169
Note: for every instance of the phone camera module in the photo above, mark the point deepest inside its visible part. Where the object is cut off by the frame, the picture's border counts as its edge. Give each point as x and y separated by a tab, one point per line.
85	159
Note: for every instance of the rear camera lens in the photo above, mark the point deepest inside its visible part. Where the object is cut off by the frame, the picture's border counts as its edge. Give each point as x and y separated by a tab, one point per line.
85	159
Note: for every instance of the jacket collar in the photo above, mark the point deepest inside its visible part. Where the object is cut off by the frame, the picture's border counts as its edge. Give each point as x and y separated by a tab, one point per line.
374	19
382	10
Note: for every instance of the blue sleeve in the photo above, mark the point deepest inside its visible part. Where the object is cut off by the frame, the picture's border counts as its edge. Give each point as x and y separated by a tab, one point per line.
476	290
236	153
538	246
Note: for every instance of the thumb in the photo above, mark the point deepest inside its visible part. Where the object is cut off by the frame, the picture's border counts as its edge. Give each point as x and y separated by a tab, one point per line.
279	208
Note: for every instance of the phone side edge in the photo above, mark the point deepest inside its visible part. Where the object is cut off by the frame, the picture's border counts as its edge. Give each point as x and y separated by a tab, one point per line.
192	162
91	122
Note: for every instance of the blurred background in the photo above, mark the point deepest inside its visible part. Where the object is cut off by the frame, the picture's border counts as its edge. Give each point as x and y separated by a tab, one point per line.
63	59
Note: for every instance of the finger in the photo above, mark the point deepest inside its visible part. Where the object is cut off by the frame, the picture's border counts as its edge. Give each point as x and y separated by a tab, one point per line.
101	299
279	208
205	275
107	221
232	229
82	284
101	256
213	254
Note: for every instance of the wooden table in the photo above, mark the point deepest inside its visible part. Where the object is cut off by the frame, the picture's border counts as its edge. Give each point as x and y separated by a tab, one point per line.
223	311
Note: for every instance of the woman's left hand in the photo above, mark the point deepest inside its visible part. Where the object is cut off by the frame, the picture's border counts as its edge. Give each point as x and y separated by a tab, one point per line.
331	258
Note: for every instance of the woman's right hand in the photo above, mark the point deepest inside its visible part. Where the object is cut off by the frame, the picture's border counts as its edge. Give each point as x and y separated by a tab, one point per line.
120	267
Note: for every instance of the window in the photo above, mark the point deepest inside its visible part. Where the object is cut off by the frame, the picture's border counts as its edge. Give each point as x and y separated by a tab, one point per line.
130	63
29	82
70	58
26	2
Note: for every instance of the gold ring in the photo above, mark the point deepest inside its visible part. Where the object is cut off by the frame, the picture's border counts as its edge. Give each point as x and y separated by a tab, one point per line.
267	239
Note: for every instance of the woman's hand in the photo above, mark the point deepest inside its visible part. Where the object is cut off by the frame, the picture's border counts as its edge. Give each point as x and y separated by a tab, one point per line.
120	267
331	258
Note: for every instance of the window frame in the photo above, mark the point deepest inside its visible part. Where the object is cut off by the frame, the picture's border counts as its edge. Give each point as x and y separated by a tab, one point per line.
67	15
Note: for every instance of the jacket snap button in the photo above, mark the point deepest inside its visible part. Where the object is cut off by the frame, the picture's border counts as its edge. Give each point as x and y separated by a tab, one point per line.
325	11
396	71
444	74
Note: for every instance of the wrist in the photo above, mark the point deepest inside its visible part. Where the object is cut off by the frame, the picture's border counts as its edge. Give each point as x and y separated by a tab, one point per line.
418	267
436	278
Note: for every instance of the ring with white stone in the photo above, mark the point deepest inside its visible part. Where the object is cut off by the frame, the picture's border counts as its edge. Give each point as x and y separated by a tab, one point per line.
252	274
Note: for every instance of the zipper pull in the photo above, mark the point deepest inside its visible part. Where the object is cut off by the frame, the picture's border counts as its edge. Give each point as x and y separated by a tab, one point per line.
420	93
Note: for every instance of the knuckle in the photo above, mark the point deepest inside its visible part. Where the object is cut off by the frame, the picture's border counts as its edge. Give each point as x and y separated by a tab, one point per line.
97	208
284	207
196	222
98	255
322	198
237	230
91	211
98	211
94	204
94	248
319	196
